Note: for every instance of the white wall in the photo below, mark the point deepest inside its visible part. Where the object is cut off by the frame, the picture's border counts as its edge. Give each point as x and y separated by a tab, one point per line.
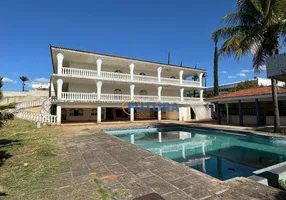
86	115
247	119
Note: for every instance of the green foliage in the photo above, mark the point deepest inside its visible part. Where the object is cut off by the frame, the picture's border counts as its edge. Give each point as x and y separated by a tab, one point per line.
103	194
24	79
216	56
244	85
208	95
8	106
282	184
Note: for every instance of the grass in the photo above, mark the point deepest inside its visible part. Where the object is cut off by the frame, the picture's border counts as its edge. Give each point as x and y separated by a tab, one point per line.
21	142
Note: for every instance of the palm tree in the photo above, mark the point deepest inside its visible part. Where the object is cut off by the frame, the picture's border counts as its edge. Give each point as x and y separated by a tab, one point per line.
181	64
1	85
24	79
257	26
169	58
216	56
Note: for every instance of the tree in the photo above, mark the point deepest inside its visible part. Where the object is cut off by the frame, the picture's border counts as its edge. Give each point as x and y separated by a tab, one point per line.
244	85
181	64
1	85
216	57
169	58
258	26
24	79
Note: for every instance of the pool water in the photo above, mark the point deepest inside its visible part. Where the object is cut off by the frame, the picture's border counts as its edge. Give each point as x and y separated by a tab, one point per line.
219	154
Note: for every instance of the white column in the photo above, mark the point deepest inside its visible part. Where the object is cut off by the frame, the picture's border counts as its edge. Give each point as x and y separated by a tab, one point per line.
182	94
132	91
132	138
98	63
159	70
60	58
98	114
181	76
132	114
180	114
131	66
201	94
159	115
201	79
59	88
59	115
98	85
227	113
159	92
160	137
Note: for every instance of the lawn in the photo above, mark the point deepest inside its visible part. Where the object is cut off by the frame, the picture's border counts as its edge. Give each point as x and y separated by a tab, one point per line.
30	160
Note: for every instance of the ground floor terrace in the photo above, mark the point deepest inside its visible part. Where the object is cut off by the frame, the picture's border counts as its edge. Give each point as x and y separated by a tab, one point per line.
98	113
249	107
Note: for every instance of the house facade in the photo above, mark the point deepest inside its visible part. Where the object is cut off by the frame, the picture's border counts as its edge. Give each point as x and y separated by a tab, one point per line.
98	87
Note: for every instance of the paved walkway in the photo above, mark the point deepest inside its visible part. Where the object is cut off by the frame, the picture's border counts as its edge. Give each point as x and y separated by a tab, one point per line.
127	168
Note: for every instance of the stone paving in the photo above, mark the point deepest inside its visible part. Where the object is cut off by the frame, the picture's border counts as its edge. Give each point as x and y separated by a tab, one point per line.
127	168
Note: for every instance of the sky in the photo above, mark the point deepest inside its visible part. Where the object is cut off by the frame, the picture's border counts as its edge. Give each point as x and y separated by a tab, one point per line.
144	29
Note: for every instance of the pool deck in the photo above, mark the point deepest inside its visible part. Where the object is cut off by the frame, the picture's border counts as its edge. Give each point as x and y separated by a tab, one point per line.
137	172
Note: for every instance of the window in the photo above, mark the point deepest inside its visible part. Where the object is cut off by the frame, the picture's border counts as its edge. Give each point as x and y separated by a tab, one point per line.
94	112
117	91
172	77
142	74
76	112
118	71
143	92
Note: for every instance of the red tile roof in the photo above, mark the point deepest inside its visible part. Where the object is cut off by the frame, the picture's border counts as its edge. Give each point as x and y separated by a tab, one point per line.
249	92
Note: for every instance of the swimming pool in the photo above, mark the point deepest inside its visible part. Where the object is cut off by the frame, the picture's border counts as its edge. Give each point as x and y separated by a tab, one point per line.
220	154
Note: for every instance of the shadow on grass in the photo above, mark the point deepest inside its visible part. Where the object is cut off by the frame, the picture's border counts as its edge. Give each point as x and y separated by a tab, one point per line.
4	155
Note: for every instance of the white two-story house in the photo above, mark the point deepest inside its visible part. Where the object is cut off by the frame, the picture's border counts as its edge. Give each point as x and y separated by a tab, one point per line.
97	87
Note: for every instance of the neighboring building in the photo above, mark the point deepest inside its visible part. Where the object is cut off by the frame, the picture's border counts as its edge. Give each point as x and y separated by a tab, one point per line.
259	81
93	87
250	106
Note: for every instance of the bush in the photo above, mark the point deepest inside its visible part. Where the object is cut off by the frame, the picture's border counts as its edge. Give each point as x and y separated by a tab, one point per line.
282	184
8	106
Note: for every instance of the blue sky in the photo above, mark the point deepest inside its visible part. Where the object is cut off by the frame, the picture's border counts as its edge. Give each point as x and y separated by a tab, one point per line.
145	29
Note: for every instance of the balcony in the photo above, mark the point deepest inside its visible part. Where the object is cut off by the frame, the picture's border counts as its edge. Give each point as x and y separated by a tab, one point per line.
119	98
114	76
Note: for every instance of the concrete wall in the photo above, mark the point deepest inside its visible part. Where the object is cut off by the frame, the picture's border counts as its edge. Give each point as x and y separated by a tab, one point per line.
270	120
10	96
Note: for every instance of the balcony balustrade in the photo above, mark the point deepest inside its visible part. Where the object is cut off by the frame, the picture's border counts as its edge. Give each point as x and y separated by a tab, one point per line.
119	98
115	76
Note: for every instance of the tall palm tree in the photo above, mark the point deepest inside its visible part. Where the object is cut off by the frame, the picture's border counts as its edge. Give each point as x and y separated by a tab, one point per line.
24	79
257	26
169	58
216	56
1	85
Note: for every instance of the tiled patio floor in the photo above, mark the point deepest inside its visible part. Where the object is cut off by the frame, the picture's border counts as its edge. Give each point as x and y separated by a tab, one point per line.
135	171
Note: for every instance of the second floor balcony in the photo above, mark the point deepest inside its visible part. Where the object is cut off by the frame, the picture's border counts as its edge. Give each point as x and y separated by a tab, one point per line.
123	77
120	98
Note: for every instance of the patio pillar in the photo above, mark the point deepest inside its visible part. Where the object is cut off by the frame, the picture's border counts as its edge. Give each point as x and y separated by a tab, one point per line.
257	105
99	85
131	66
218	113
132	114
59	88
227	113
201	79
201	94
181	76
60	58
159	70
98	114
182	94
240	113
59	115
159	114
159	92
98	63
132	91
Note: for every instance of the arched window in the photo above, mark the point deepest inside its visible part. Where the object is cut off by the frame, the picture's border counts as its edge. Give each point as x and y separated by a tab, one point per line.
142	74
72	112
143	92
117	91
118	71
94	112
172	77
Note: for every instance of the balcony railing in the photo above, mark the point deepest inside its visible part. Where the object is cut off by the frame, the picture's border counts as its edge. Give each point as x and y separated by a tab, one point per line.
92	97
114	76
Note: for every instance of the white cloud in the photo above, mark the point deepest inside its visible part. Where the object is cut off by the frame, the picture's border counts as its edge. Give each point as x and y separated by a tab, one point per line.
241	74
42	80
245	71
8	80
231	77
224	72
